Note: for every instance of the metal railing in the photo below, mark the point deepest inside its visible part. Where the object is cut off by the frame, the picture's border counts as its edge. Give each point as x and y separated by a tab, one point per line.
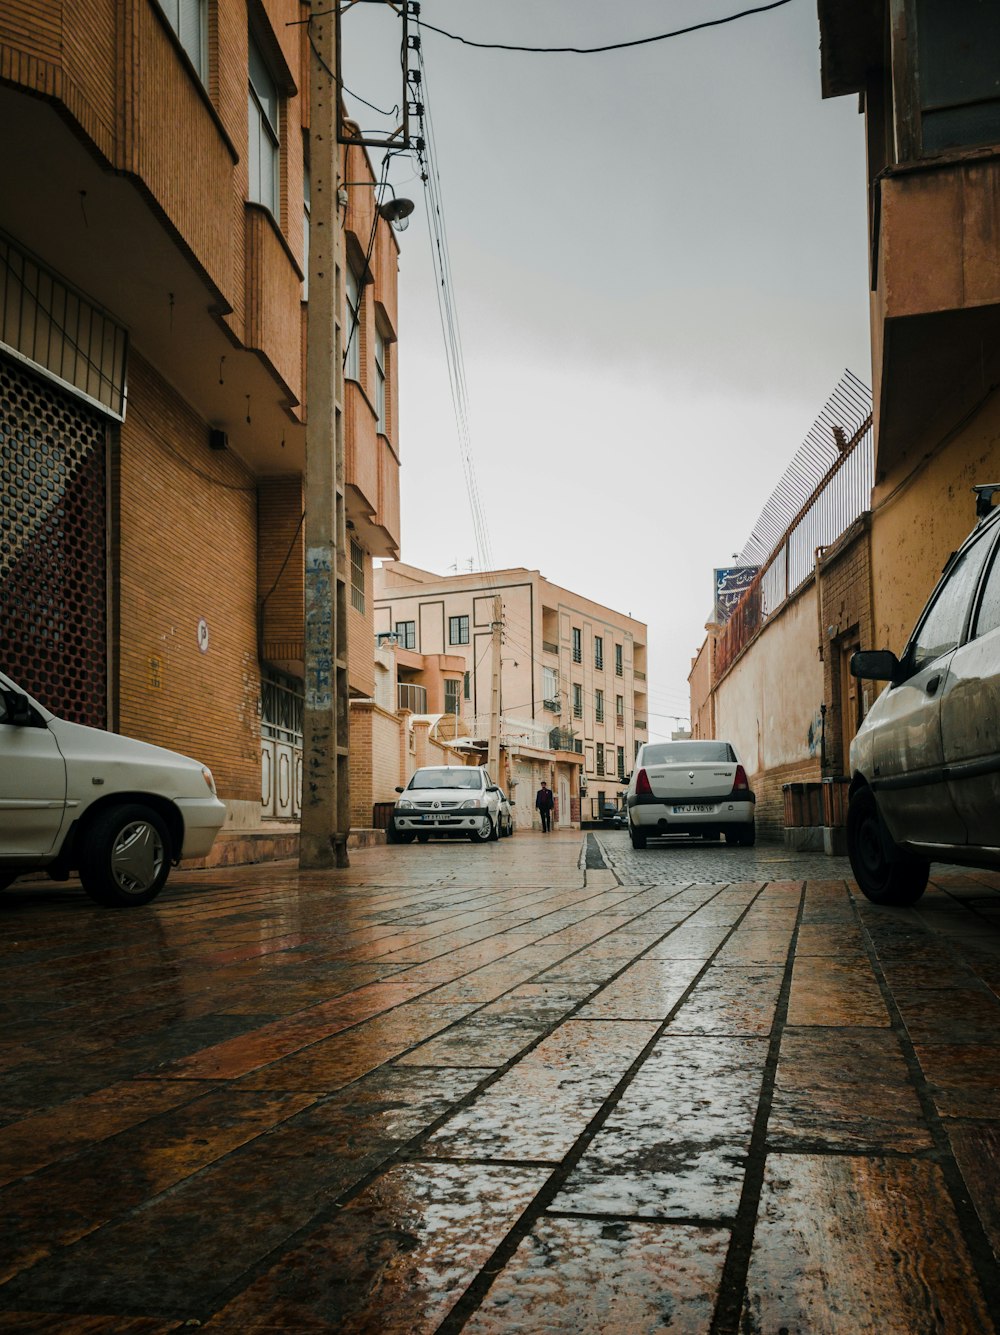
840	497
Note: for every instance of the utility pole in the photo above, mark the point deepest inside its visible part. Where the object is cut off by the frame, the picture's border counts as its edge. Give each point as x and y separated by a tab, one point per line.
325	796
493	754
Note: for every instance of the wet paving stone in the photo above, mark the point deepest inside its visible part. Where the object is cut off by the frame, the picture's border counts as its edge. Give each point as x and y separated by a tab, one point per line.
395	1260
675	1145
493	1088
572	1275
861	1245
537	1109
845	1090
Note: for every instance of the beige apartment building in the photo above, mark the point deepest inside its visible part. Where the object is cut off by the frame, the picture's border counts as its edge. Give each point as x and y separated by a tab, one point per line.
573	705
154	245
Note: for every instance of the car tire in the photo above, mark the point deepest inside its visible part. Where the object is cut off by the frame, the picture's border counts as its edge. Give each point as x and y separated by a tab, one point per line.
8	878
125	856
711	836
495	830
392	835
885	874
483	835
747	836
422	838
637	836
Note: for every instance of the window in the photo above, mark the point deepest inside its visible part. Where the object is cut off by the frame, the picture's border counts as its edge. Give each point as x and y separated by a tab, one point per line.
577	701
357	577
262	133
620	708
406	634
577	645
467	686
941	628
380	355
619	670
989	609
352	324
189	20
959	96
452	691
598	652
621	762
599	706
458	630
600	759
550	688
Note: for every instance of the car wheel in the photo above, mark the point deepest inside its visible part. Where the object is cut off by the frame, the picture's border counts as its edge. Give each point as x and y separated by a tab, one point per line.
125	856
422	838
8	878
494	833
637	836
483	833
747	836
885	874
392	834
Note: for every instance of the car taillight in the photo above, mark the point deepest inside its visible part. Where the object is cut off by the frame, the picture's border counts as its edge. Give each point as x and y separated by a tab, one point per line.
740	781
642	784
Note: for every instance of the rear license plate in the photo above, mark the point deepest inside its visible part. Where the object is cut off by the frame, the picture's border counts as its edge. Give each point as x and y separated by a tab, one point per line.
692	807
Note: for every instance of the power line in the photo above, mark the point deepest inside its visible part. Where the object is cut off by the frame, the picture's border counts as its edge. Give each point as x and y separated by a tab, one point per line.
611	46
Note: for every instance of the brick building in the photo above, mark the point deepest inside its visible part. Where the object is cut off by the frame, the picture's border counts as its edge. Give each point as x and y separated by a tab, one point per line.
154	231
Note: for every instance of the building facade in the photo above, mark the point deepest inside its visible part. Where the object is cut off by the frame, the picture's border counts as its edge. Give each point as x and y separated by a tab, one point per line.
573	678
154	235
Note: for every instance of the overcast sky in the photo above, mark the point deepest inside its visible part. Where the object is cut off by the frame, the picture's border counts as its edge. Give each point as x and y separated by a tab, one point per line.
659	263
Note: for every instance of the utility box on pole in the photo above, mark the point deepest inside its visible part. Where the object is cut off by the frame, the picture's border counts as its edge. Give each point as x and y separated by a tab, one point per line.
325	796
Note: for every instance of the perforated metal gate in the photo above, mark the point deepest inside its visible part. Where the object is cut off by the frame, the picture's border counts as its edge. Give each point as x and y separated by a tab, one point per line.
53	545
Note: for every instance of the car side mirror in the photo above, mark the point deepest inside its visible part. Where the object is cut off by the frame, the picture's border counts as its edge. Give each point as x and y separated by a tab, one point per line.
400	790
875	665
17	710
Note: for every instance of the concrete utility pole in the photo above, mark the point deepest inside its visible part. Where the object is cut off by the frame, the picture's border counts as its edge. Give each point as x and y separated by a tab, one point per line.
325	795
493	754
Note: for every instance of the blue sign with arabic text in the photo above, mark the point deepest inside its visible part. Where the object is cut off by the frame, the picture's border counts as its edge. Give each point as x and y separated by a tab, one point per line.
730	585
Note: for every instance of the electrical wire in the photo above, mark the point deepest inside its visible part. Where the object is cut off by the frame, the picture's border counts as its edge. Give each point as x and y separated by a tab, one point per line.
611	46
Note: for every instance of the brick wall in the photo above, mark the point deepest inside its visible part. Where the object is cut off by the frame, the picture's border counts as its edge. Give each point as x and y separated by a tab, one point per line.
845	620
185	533
767	786
280	568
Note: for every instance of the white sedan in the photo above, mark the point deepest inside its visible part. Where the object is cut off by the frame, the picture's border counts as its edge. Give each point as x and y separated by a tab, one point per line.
695	787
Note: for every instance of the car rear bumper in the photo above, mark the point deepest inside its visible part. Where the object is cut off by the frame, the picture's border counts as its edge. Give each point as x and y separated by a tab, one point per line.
672	818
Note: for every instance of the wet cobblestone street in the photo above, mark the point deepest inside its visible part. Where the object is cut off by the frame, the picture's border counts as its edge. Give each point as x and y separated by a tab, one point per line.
550	1084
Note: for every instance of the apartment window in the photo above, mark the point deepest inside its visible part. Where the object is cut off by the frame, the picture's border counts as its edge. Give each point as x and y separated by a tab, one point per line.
619	668
357	577
550	688
620	708
621	762
956	73
599	652
189	20
452	690
458	630
599	706
577	701
577	645
262	129
600	760
406	634
352	324
467	686
380	355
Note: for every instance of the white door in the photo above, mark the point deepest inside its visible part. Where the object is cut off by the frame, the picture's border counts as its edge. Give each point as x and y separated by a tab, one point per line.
32	789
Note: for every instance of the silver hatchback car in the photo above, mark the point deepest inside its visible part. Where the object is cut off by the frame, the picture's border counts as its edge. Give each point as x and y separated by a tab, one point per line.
925	765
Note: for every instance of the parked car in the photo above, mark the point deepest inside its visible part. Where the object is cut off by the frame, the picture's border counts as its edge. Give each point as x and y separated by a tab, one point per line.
925	764
118	811
620	819
447	800
690	787
506	822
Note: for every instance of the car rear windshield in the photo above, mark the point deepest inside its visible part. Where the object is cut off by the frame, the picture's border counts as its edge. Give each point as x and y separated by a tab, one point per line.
671	753
461	777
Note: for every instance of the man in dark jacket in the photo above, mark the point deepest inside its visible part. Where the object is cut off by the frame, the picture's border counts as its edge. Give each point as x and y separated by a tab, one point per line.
544	801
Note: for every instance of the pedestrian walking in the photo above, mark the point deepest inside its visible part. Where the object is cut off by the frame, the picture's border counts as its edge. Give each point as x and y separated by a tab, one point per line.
544	801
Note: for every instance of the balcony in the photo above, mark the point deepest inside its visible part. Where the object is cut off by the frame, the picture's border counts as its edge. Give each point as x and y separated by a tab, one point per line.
641	725
553	706
412	697
564	739
549	647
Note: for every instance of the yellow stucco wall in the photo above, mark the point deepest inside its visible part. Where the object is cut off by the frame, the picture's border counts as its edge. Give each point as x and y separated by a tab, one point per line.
920	513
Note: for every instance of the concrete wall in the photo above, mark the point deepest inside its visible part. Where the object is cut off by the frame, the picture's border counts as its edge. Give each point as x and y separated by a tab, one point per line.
768	705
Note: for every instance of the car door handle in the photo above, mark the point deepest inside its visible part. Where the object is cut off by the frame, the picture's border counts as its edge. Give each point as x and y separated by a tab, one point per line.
931	686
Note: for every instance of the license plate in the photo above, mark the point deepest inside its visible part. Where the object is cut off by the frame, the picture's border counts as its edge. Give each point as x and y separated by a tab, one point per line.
693	807
427	818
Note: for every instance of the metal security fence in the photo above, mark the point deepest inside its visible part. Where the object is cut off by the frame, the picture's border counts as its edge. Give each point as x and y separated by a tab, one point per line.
842	458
